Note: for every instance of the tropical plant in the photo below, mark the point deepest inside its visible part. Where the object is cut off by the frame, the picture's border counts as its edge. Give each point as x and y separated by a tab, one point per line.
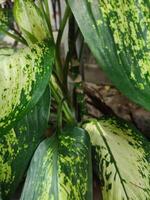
57	164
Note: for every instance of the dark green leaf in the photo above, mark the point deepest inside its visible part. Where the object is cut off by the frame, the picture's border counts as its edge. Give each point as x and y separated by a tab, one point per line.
19	144
23	79
123	159
61	168
6	20
118	33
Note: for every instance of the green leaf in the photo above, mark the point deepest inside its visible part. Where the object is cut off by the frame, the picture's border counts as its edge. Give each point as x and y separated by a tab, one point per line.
19	144
61	168
118	34
6	20
122	157
30	20
23	79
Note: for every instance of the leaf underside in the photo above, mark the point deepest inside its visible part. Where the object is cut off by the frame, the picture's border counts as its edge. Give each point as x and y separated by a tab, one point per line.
19	144
122	157
61	168
118	34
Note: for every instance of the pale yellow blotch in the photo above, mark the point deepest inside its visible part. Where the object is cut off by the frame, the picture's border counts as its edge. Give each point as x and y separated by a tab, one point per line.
6	148
129	158
18	74
126	32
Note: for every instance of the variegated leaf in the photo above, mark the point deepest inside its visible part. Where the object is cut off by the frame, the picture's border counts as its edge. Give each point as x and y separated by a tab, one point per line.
19	144
30	20
118	33
61	168
122	157
23	79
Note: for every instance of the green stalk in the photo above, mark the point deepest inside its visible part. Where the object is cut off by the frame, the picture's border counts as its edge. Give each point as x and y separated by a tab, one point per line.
58	96
58	42
68	59
62	25
47	19
58	63
13	36
47	16
58	91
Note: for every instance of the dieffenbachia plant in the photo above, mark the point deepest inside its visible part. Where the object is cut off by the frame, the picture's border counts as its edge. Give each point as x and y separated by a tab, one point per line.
61	166
122	156
118	34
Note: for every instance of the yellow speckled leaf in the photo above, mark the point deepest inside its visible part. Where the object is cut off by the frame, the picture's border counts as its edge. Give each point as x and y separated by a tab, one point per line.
23	79
61	168
122	158
118	33
18	145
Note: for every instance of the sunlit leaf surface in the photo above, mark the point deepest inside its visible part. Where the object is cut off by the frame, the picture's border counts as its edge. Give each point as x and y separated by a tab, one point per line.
122	157
23	79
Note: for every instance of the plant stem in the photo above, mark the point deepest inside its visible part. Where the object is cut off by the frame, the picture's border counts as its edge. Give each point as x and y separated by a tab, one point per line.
47	17
58	96
58	42
15	37
62	25
45	12
68	59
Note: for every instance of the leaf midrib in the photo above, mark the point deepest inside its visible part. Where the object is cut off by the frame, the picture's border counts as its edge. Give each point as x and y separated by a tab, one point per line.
98	126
